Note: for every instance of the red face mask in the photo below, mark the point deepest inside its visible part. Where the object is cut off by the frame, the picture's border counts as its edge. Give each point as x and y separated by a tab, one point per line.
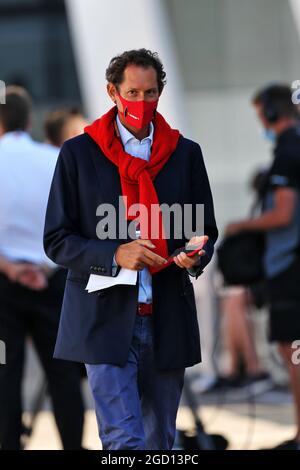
138	113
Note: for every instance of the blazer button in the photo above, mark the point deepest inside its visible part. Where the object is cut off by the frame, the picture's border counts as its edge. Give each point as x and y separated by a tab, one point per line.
91	267
103	270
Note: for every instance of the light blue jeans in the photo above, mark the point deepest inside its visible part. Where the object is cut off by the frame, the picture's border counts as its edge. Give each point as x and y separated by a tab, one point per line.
136	405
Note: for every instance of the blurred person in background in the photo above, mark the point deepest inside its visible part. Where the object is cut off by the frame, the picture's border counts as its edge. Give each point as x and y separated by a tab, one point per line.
280	221
60	125
238	330
31	285
236	303
63	124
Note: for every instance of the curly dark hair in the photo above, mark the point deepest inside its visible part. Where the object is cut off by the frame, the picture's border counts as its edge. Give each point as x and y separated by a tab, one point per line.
142	57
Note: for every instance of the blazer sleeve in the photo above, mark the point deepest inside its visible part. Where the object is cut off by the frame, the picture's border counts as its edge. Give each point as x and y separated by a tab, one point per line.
201	194
63	242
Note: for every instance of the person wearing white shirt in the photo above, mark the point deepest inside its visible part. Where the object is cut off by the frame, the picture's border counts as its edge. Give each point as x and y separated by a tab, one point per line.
31	285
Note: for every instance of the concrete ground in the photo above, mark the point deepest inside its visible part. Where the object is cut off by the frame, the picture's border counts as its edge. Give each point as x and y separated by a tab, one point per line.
270	425
248	422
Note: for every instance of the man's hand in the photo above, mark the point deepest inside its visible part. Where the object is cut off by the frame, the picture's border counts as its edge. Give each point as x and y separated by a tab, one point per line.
184	261
137	255
14	270
27	274
34	279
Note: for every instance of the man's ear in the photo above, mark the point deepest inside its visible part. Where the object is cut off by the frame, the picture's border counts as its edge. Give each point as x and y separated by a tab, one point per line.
111	90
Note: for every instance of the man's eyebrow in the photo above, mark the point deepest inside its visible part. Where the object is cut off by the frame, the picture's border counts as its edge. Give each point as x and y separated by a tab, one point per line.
135	89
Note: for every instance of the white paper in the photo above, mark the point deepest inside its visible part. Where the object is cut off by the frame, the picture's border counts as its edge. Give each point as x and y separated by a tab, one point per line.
97	282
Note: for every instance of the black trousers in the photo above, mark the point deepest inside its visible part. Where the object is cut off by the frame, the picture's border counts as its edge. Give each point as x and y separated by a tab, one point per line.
24	312
284	299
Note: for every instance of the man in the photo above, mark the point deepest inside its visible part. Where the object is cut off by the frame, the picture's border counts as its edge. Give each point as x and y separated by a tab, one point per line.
31	286
136	340
280	220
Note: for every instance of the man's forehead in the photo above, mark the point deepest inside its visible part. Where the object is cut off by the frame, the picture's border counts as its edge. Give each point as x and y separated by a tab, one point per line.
136	76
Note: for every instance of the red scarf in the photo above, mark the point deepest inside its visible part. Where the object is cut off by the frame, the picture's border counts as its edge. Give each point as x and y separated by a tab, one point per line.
136	174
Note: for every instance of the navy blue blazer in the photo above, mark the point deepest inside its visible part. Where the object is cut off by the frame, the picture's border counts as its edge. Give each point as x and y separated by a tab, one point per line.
98	327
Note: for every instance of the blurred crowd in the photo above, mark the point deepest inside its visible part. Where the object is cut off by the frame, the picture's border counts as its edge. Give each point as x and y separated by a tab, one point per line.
31	286
258	263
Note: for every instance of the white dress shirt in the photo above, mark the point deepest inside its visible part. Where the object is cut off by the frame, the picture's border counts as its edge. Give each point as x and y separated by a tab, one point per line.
26	171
